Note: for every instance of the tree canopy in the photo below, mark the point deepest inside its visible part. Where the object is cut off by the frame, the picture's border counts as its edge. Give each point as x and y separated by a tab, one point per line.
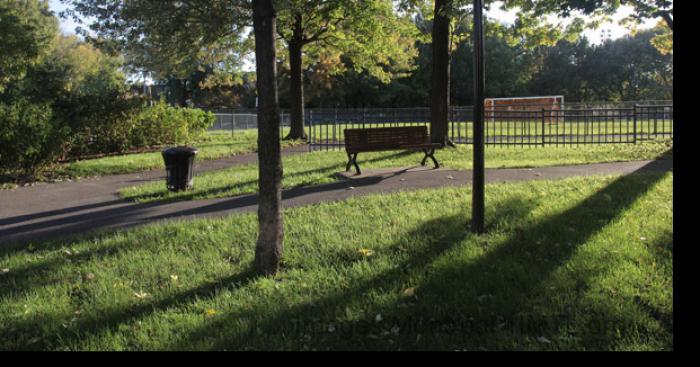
26	30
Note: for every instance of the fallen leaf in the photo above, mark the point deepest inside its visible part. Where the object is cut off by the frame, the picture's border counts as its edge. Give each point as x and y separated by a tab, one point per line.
174	278
409	292
211	312
141	295
365	252
544	340
4	271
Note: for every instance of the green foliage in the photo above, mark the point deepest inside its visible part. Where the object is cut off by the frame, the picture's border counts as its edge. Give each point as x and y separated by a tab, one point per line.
88	94
578	264
26	29
318	168
161	124
29	139
193	42
626	69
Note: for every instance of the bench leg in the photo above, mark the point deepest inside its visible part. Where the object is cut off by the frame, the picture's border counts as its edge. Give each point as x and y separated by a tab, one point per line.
430	153
352	159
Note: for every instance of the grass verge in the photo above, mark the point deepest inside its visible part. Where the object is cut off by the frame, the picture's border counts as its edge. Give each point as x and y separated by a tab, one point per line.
576	264
212	145
319	167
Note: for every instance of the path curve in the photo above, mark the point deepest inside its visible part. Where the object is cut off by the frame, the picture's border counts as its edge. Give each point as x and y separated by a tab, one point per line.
98	209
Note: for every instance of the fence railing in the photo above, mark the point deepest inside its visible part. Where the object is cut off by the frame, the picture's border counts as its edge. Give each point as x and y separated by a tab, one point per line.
236	120
570	124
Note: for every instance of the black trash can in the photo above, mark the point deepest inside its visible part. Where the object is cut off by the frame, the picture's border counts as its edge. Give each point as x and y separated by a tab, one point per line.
179	167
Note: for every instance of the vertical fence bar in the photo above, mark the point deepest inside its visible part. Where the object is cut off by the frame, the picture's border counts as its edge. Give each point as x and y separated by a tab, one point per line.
634	127
543	128
311	130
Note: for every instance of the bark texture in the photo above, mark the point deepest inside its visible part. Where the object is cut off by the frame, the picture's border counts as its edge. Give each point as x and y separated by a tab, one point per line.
297	82
440	91
268	250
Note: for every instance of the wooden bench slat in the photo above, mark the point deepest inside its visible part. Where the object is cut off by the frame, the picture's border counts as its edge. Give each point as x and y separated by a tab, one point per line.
388	138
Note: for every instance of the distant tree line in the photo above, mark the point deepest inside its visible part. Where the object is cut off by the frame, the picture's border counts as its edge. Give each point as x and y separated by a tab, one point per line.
623	69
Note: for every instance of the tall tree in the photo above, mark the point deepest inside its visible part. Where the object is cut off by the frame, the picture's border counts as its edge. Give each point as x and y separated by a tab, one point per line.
440	91
446	15
170	40
193	30
368	33
268	251
26	30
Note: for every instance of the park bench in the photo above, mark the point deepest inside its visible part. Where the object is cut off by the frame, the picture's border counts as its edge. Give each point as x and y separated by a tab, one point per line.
388	138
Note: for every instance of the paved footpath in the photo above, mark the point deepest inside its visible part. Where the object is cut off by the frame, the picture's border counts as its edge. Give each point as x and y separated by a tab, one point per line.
66	209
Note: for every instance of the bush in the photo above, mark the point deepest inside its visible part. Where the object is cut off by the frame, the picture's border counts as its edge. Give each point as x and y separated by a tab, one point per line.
101	123
161	124
30	139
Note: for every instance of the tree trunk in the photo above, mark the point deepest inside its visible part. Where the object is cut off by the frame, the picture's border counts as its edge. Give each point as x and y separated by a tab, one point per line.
268	250
183	92
296	87
440	93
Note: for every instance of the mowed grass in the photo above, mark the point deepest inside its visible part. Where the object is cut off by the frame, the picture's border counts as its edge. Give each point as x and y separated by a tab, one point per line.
320	167
576	264
211	145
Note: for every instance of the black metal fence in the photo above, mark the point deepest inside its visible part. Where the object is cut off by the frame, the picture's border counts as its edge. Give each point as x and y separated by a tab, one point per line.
528	127
535	125
241	120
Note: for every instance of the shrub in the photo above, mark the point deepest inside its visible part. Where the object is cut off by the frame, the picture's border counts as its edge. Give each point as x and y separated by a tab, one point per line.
101	123
30	139
161	124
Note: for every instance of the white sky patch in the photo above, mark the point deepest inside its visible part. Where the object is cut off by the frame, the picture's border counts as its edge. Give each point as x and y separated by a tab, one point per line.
610	29
67	25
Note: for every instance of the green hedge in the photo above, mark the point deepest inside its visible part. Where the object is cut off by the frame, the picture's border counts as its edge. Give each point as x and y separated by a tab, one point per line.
34	136
29	138
163	125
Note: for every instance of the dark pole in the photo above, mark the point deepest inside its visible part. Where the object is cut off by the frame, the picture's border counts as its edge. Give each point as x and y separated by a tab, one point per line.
478	171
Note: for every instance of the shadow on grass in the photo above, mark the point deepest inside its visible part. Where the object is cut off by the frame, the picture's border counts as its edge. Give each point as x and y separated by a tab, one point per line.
497	301
492	302
193	195
108	319
117	214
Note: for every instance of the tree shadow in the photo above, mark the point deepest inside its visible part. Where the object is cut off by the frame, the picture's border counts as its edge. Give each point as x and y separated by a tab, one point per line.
193	195
497	300
473	304
108	319
117	214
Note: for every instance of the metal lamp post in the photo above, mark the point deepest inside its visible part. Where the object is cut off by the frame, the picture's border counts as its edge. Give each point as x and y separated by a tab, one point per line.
478	123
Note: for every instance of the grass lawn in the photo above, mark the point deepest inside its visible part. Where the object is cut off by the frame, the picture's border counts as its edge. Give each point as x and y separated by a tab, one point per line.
576	264
319	167
212	145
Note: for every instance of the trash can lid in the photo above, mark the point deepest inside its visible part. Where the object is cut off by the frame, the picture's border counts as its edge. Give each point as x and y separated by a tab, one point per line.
180	150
